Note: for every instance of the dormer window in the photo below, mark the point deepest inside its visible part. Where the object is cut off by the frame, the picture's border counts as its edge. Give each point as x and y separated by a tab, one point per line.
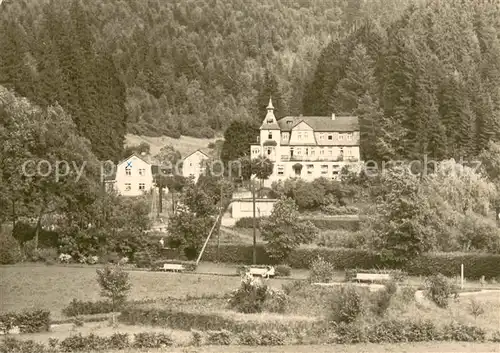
289	122
269	121
321	136
284	136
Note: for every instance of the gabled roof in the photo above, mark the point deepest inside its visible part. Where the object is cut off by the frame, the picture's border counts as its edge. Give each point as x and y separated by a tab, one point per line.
321	123
134	155
272	126
198	150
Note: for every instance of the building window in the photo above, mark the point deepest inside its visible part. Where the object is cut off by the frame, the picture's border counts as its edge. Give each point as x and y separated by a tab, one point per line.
128	171
299	135
128	187
349	136
312	151
330	151
299	151
307	151
281	169
142	186
322	151
142	172
284	136
310	168
321	136
268	151
324	169
305	135
341	137
330	137
269	121
270	135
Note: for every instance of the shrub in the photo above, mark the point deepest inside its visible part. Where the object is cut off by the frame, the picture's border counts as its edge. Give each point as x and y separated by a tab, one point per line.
47	255
250	297
283	271
341	239
346	305
219	338
10	251
78	343
12	345
408	294
247	222
27	321
321	271
475	308
439	289
294	286
464	333
272	338
334	210
347	333
152	340
249	338
118	341
109	258
197	338
114	284
382	299
276	301
80	307
495	336
143	259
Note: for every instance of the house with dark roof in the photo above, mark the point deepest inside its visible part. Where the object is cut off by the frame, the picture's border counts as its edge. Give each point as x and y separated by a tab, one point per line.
307	147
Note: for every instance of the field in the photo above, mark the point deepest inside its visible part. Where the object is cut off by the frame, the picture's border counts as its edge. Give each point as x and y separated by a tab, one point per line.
53	287
185	144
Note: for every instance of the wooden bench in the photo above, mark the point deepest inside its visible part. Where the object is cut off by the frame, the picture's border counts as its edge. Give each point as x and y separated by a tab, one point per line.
262	272
372	277
172	267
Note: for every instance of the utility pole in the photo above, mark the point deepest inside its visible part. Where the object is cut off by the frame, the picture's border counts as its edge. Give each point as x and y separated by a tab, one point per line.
254	226
220	220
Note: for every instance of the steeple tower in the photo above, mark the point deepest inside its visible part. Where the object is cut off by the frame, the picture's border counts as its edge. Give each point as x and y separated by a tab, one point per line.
270	122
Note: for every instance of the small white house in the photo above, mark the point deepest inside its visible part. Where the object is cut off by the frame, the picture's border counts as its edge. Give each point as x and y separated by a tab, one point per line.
133	176
192	164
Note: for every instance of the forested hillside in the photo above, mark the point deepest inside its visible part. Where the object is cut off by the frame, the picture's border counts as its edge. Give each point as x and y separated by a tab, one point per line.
429	84
170	67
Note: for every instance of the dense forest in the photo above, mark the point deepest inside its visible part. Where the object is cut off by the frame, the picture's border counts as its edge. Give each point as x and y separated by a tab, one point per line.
423	76
170	67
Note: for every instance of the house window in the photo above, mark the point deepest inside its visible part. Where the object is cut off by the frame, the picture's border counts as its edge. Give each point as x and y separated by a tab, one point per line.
270	135
312	151
341	137
321	136
299	135
310	168
305	135
324	169
322	151
142	186
281	169
268	151
289	122
299	151
284	136
330	151
269	121
307	151
128	187
128	171
330	137
349	136
142	172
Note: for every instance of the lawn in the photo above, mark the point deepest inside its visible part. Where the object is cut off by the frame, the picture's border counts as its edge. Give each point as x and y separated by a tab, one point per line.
53	287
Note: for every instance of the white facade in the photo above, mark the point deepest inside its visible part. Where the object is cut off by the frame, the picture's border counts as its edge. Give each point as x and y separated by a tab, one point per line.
193	165
308	147
133	177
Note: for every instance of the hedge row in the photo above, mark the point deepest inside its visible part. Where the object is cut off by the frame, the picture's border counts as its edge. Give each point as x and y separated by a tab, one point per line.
476	265
320	222
27	321
81	307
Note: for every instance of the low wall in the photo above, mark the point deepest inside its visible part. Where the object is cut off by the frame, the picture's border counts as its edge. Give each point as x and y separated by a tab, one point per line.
244	207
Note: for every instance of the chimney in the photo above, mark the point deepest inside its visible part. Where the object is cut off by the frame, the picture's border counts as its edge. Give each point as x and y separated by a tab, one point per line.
333	116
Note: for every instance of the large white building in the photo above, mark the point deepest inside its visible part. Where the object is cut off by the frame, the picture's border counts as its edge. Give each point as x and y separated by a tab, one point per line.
307	147
133	176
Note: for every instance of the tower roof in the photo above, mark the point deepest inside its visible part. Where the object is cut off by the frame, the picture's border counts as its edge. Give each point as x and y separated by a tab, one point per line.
270	105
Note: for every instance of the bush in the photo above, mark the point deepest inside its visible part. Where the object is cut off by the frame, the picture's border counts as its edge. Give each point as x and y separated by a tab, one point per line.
27	321
247	222
47	255
382	299
10	251
495	336
294	286
78	343
118	341
12	345
408	294
283	271
463	333
197	338
219	338
439	289
276	301
80	307
143	259
249	338
341	239
272	338
346	305
334	210
152	340
321	271
347	333
250	297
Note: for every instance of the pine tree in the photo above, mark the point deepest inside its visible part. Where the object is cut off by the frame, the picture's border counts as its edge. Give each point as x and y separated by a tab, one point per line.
269	89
